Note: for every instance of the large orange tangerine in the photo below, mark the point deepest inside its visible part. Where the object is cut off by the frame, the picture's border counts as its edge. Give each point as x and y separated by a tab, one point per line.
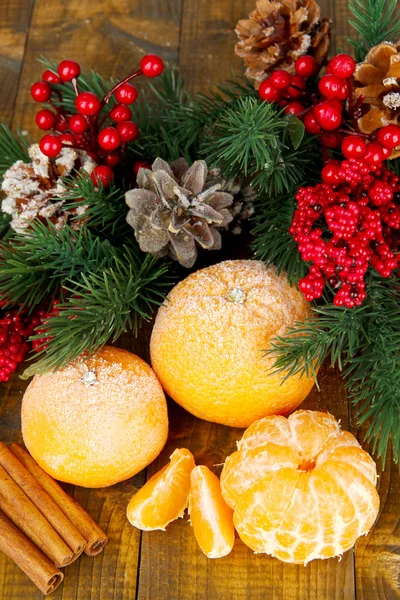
209	341
300	487
97	422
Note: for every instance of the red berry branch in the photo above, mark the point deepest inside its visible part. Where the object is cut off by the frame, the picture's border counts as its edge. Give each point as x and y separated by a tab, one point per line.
102	135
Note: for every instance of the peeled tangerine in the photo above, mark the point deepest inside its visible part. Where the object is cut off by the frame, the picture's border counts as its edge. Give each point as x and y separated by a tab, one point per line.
300	487
164	497
211	518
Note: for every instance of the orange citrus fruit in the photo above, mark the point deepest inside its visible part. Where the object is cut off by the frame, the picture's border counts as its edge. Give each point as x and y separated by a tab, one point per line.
211	518
300	487
210	338
165	495
97	421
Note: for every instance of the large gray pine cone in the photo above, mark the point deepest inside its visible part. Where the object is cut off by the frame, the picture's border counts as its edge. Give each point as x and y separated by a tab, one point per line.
177	208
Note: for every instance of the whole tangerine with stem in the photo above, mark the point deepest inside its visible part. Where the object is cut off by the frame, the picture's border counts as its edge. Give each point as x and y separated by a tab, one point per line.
97	421
210	338
301	488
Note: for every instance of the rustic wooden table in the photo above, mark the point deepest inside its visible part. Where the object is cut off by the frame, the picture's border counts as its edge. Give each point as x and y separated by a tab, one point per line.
110	36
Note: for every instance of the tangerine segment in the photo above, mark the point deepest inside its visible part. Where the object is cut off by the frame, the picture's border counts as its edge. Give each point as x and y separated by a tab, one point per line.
345	439
357	457
243	468
165	495
310	430
211	518
270	430
262	507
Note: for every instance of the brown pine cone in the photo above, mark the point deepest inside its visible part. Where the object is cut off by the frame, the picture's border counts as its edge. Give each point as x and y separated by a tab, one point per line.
278	32
377	80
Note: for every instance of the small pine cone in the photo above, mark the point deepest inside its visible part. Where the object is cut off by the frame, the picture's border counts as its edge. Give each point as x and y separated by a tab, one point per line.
34	190
277	32
377	79
175	209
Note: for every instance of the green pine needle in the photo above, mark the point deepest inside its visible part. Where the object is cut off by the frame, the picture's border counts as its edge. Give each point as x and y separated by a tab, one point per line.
375	21
13	147
364	342
102	305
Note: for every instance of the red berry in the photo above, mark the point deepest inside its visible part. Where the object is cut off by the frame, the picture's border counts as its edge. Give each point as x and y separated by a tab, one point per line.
67	138
109	138
386	152
61	124
40	91
297	82
45	119
330	174
87	103
126	94
50	145
51	77
140	164
128	131
331	140
328	115
342	66
389	136
294	108
268	92
151	65
354	146
103	174
78	123
120	113
68	70
374	154
306	66
281	79
311	124
112	160
333	87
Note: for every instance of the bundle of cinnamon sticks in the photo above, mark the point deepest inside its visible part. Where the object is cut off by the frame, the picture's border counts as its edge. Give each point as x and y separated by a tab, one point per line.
41	527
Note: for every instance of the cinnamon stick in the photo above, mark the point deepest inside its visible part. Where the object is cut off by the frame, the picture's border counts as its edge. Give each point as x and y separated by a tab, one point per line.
34	563
42	500
15	504
96	538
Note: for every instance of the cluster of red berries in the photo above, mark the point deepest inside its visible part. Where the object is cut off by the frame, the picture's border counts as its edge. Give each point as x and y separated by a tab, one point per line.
103	135
347	224
321	113
15	328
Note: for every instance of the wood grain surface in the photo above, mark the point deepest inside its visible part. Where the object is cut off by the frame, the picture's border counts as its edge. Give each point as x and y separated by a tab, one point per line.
111	36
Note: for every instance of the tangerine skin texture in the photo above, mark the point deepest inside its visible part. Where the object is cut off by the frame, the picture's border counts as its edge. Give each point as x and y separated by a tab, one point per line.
300	487
98	434
208	350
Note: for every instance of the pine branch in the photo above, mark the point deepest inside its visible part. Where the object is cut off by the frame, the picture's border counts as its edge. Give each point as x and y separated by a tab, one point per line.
364	342
104	304
255	139
273	243
106	210
13	147
375	21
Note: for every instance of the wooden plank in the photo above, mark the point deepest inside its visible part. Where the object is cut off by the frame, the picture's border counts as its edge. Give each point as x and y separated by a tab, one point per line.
109	37
377	557
15	18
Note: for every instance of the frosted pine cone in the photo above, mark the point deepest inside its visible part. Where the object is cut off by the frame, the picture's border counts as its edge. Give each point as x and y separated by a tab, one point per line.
34	190
377	79
277	32
175	209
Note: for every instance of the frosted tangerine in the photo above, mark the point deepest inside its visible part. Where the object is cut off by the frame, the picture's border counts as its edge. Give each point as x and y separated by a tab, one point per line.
211	518
209	341
300	487
165	495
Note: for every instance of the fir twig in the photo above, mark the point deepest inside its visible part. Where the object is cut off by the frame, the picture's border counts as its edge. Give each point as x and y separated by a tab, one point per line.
375	21
104	304
13	147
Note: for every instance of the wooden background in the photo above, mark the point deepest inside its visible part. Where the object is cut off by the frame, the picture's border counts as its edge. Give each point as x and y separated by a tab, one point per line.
110	36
